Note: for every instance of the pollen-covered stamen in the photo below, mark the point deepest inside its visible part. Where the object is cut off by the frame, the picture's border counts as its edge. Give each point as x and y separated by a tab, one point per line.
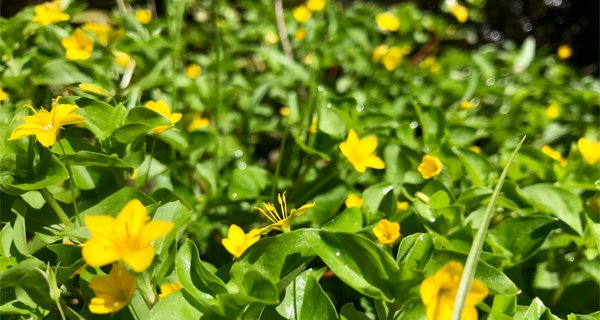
47	127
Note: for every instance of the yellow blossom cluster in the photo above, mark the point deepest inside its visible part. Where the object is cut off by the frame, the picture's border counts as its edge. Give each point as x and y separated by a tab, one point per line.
303	12
389	57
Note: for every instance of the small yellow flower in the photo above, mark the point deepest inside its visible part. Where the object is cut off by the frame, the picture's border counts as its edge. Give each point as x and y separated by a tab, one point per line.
460	12
127	237
391	60
271	38
93	88
198	123
300	35
308	59
379	52
314	125
122	59
438	293
564	52
315	5
301	14
284	111
547	150
430	63
237	241
78	45
387	21
100	30
193	71
466	105
45	124
402	206
475	149
387	232
553	111
353	201
161	107
112	291
590	150
430	167
3	95
281	221
168	288
361	153
49	13
143	16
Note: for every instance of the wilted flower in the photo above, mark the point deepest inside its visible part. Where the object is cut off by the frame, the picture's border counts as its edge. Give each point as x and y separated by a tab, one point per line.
45	124
353	201
301	14
564	52
430	167
168	288
315	5
281	221
193	71
361	153
438	293
237	241
387	21
100	30
547	150
127	237
49	12
112	291
590	150
460	12
161	107
387	232
78	45
143	16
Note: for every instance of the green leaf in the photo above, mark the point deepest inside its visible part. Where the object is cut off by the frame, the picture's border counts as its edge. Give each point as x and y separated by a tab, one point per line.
350	220
380	197
95	159
305	299
478	167
415	250
193	273
174	306
348	312
59	73
247	183
525	56
50	172
112	204
537	310
556	201
101	118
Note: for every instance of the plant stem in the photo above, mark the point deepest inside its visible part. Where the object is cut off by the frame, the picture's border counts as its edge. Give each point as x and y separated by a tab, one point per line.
217	86
281	29
60	310
564	281
471	265
294	294
150	162
72	184
60	213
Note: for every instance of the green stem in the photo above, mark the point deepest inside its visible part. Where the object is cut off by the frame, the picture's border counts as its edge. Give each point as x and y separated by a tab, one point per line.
564	281
150	162
217	85
279	161
294	294
71	184
60	310
475	252
60	213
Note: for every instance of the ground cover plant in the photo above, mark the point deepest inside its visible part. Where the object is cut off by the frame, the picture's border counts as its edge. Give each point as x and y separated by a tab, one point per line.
297	160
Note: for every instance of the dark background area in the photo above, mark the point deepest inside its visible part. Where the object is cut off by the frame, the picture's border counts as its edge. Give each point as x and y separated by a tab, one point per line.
551	22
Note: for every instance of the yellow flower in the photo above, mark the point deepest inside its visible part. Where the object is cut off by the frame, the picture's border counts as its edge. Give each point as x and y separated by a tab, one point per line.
387	21
161	107
315	5
193	71
475	149
392	58
553	111
3	95
590	150
168	288
281	221
284	111
379	52
122	59
78	45
301	14
100	30
402	206
430	63
143	16
271	37
360	153
564	52
353	201
438	293
313	125
300	35
547	150
48	13
387	232
127	237
466	105
198	123
93	88
237	241
430	167
45	124
460	12
112	291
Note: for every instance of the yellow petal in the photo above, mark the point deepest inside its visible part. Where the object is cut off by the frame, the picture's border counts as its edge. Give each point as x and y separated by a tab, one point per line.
47	138
98	252
368	144
160	107
374	162
23	130
140	260
429	290
477	293
133	216
175	117
155	229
